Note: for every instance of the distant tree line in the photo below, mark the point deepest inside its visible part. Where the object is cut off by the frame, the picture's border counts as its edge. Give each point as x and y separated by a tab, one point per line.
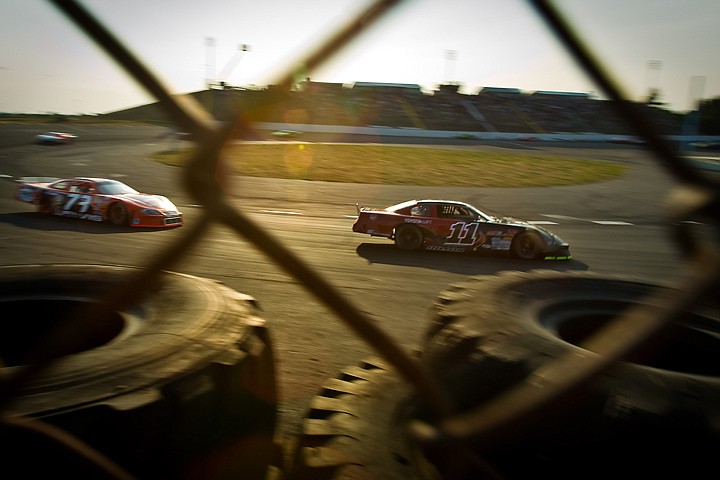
709	117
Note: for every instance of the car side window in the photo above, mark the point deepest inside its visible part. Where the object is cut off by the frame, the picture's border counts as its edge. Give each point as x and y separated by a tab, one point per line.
465	213
420	211
446	211
455	211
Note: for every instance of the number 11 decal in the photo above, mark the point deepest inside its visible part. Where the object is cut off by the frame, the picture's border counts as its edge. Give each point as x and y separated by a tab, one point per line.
462	233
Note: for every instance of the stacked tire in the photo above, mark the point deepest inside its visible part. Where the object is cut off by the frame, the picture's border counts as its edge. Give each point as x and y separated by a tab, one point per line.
656	413
179	384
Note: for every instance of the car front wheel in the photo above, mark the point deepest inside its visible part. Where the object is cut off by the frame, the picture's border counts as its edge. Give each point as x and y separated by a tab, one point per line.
526	246
118	214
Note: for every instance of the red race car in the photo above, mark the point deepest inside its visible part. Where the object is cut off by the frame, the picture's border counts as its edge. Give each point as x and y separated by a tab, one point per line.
98	199
451	226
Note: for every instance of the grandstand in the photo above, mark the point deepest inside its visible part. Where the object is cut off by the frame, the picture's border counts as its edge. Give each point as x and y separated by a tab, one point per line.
365	104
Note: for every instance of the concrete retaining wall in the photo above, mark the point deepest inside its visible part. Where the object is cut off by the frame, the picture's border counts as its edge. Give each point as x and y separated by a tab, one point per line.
417	132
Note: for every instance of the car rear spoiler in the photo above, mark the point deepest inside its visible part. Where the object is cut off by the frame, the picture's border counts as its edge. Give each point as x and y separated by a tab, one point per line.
365	208
37	179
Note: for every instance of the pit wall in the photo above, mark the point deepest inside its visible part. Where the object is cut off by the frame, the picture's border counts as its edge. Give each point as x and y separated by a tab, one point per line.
417	132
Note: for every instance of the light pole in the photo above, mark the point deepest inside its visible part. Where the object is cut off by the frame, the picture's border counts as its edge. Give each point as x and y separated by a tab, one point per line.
651	84
450	57
209	61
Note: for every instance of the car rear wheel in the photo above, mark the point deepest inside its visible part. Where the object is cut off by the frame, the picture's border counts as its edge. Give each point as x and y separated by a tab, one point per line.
180	384
118	214
526	246
46	205
408	237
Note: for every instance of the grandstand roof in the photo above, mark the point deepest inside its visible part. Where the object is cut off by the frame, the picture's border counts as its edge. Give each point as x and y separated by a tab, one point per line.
410	86
310	85
499	90
566	94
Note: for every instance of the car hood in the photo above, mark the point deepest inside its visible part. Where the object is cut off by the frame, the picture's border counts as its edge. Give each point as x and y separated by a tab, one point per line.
511	221
152	201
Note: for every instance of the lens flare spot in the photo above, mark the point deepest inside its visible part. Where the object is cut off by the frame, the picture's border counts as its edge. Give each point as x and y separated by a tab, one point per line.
298	161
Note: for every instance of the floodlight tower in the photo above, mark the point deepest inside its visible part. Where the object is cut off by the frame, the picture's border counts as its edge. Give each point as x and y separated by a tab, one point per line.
652	84
450	57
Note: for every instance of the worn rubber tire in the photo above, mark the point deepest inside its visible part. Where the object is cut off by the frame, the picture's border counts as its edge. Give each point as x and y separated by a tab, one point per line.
408	237
179	385
653	417
356	429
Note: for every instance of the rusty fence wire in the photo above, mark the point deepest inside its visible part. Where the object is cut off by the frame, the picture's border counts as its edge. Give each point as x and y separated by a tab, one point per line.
697	195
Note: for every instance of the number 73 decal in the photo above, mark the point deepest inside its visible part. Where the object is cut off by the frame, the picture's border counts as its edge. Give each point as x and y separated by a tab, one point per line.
80	202
462	233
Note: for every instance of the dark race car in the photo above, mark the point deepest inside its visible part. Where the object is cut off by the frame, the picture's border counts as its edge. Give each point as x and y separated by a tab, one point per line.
706	145
450	226
98	199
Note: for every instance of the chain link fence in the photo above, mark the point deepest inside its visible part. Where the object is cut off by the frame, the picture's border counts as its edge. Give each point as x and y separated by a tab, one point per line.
697	197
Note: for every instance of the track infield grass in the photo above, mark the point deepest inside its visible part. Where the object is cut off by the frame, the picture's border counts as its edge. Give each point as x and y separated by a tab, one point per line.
403	165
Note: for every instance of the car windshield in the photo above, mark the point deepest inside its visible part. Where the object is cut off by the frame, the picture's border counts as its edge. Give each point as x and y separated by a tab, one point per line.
400	206
482	216
111	187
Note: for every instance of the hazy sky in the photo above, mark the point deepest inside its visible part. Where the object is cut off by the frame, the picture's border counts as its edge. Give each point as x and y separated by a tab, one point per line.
47	65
